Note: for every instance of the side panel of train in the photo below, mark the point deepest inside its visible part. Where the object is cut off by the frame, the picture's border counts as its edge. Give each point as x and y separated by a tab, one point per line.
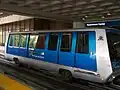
85	53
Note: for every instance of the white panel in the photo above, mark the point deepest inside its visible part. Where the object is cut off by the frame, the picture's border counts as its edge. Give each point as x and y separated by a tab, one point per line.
102	55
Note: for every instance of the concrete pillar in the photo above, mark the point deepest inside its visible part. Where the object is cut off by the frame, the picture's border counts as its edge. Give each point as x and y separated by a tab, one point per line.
78	25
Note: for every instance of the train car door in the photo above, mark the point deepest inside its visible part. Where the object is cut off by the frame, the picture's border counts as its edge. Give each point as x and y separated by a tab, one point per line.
37	46
66	50
52	48
13	44
85	57
23	45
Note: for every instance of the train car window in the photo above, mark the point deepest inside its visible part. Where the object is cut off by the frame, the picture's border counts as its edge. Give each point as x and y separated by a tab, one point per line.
41	41
11	40
23	40
82	42
16	40
66	42
33	41
52	44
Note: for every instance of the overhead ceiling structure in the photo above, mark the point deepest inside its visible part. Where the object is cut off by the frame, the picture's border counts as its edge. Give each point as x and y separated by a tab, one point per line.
73	10
5	13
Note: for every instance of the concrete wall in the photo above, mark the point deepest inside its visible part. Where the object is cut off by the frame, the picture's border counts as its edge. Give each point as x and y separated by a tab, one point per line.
78	25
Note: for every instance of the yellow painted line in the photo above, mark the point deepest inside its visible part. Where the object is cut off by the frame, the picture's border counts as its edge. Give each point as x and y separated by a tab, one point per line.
7	83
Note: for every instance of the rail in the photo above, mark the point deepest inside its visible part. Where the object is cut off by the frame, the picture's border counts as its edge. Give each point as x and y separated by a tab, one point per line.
43	79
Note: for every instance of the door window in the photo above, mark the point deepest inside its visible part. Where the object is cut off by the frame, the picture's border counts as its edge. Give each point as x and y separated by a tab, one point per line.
52	44
11	38
66	42
82	42
37	41
41	41
14	40
23	40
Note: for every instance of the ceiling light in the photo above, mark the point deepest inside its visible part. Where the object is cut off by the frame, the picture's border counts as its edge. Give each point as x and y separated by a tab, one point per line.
86	16
103	17
108	14
1	13
83	18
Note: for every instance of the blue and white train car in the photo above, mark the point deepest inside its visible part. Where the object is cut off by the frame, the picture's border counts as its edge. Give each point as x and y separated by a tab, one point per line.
89	54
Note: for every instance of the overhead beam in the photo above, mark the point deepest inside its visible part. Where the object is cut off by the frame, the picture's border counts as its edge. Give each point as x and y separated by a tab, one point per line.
35	13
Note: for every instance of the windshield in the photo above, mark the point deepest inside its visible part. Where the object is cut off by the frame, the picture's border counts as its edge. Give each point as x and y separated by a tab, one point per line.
114	48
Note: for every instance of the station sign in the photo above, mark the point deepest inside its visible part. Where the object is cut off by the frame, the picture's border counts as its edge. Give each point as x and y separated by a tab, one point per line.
95	24
101	24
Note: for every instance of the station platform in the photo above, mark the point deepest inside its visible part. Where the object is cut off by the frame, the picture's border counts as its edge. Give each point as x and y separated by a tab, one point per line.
7	83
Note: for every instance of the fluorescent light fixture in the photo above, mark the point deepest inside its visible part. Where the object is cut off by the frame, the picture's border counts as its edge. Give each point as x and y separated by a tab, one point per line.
90	6
113	7
55	2
77	9
86	11
55	8
43	5
74	13
98	9
65	10
66	6
81	3
103	12
66	0
81	14
92	13
106	4
96	0
118	10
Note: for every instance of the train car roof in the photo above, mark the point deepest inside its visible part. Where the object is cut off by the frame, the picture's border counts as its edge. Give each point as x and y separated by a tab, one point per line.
64	30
